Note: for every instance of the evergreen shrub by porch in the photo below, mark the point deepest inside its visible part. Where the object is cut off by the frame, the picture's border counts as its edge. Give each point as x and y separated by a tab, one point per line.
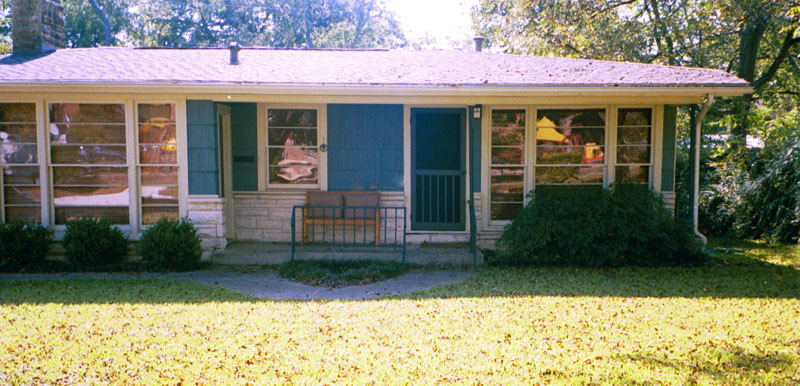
94	244
622	226
170	246
23	245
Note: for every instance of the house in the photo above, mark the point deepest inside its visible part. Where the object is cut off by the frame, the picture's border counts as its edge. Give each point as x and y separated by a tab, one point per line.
233	138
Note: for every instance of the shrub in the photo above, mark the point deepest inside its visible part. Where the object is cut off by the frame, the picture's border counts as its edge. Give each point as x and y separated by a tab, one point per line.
94	244
170	246
23	245
624	225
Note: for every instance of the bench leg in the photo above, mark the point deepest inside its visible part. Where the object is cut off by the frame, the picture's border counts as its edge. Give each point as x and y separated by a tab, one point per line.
305	232
377	228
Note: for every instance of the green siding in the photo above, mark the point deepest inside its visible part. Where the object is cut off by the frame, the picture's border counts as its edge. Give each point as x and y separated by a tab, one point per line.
365	147
475	147
244	146
202	147
668	150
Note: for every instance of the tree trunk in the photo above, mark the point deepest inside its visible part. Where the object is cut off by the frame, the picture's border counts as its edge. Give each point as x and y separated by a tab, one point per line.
109	40
750	39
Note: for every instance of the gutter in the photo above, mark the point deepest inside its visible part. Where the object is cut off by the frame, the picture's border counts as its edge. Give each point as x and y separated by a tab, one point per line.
696	194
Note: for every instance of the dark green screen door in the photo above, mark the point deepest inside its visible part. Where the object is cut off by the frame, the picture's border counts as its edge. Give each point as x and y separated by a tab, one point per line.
438	169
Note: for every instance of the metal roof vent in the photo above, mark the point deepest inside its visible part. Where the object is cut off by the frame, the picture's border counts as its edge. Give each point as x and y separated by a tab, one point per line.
478	43
234	48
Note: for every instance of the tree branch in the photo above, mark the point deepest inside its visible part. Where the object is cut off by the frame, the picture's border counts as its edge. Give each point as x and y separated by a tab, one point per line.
788	42
109	40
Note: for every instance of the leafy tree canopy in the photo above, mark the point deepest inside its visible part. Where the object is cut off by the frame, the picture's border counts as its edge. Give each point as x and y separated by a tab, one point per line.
275	23
757	40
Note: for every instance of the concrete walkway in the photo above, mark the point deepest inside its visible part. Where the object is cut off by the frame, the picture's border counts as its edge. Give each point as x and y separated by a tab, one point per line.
267	284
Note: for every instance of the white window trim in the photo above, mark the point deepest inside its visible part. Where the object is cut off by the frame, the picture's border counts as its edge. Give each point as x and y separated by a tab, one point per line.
528	158
656	138
131	130
182	150
322	138
608	145
40	155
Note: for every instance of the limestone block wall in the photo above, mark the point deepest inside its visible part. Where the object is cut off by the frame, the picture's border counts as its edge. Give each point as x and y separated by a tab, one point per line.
208	216
669	200
266	216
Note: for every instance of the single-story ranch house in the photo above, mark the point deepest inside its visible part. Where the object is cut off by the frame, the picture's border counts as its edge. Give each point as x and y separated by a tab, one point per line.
232	139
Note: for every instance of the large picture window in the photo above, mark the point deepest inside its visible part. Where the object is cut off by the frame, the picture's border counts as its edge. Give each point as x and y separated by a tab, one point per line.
570	147
21	187
158	162
292	147
507	167
634	145
88	156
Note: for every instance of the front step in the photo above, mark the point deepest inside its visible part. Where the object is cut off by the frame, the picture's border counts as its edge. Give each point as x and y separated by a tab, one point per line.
255	253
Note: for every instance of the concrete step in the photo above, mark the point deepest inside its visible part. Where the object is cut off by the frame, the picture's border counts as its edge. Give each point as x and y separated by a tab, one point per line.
254	253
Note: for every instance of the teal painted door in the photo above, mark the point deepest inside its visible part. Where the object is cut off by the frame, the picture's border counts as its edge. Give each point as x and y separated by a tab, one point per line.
438	169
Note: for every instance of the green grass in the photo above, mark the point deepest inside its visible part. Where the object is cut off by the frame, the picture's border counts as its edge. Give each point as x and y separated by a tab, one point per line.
736	321
341	273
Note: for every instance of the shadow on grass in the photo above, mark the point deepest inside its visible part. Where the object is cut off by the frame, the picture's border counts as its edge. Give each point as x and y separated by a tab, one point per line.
740	270
729	364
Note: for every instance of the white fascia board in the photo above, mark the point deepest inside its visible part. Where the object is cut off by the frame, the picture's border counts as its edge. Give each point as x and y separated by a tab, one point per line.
369	90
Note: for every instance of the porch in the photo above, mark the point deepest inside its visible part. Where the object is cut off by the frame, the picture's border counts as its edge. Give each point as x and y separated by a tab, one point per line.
267	253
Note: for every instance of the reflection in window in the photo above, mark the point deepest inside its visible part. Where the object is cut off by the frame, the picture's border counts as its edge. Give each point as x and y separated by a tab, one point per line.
89	162
158	162
292	150
507	168
634	145
21	190
570	147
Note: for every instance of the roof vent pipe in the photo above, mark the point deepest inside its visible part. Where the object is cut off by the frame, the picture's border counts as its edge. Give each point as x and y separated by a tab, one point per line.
234	48
478	43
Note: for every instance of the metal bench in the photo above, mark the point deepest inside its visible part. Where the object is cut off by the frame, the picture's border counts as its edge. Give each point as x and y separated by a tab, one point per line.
339	219
342	208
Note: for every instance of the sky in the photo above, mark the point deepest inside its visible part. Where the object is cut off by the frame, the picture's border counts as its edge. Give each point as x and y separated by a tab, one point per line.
444	20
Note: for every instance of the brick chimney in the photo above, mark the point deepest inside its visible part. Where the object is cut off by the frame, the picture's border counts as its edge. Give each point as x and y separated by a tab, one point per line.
37	25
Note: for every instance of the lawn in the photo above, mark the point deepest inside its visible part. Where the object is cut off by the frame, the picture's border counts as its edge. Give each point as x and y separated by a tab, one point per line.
736	321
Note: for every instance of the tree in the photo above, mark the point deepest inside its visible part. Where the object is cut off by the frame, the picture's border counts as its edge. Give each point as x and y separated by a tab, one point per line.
92	23
750	38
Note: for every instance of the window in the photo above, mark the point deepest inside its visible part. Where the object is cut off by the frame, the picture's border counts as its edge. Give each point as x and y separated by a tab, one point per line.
507	166
292	147
570	147
88	156
634	143
19	158
158	162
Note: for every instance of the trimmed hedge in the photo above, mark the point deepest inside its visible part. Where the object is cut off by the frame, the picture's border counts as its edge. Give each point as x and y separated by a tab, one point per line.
626	225
170	246
23	245
94	244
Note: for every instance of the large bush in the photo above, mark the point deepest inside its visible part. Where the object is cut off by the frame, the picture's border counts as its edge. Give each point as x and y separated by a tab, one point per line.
23	245
624	225
759	198
170	246
94	244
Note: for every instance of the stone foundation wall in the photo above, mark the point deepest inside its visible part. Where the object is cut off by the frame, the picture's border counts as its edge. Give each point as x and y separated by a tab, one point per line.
266	216
669	201
208	216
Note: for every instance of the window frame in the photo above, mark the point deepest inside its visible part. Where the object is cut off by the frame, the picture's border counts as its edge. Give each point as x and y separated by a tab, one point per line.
487	155
181	150
608	144
129	227
263	147
40	156
656	134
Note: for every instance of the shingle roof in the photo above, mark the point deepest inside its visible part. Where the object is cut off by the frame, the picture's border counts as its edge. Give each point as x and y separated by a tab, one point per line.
341	67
